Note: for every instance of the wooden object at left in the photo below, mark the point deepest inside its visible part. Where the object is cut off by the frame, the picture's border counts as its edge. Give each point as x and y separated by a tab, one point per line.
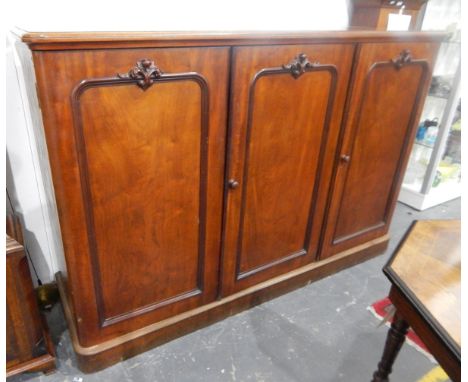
28	344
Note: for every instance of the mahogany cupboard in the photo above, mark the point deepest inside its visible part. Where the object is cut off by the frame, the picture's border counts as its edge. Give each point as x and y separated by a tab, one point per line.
199	174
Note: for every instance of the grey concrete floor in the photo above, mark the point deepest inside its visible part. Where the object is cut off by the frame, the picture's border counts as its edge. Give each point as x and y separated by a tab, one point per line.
321	332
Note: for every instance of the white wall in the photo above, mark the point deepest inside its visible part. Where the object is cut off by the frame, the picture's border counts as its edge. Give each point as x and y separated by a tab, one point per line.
27	170
180	15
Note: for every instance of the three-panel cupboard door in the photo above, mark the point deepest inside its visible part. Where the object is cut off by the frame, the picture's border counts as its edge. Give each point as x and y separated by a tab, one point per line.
285	113
389	87
136	139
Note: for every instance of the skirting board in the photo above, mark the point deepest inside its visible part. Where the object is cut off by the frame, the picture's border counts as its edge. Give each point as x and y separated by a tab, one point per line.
109	352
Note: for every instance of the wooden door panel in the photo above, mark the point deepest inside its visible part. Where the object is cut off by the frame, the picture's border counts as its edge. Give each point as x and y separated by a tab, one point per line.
385	104
138	165
136	152
281	166
283	131
376	151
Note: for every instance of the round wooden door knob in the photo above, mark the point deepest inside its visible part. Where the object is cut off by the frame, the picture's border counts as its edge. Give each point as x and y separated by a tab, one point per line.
233	184
345	158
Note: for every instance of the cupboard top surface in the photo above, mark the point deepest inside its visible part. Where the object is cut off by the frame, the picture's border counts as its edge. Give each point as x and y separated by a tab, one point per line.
97	40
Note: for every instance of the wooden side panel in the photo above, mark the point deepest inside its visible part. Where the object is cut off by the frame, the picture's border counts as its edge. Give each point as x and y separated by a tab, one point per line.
284	126
12	350
24	329
28	345
390	83
137	157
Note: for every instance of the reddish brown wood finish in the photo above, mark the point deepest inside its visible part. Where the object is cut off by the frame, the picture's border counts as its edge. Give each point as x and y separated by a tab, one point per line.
23	321
131	165
385	101
98	40
132	174
431	338
140	163
28	347
425	274
395	339
129	344
283	133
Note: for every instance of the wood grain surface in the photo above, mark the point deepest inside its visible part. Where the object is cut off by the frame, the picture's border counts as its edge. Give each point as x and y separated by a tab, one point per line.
381	121
98	40
132	172
425	272
283	133
192	168
429	265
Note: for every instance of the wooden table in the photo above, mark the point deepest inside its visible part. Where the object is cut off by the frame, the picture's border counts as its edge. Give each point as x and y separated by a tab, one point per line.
425	276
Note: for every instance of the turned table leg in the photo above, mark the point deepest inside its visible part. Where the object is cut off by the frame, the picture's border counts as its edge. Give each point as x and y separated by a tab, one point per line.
395	338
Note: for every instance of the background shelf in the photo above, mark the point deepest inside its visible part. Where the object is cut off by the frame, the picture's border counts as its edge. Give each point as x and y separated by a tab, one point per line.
433	173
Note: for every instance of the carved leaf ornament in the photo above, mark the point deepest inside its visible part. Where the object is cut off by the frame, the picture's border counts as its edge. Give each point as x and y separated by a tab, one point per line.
403	59
299	65
145	72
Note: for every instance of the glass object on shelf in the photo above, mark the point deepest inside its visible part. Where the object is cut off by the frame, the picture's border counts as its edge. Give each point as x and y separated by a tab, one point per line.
433	173
449	168
433	108
431	135
418	162
441	86
453	148
425	134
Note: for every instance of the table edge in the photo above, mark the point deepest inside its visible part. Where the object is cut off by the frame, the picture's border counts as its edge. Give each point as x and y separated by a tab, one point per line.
403	288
